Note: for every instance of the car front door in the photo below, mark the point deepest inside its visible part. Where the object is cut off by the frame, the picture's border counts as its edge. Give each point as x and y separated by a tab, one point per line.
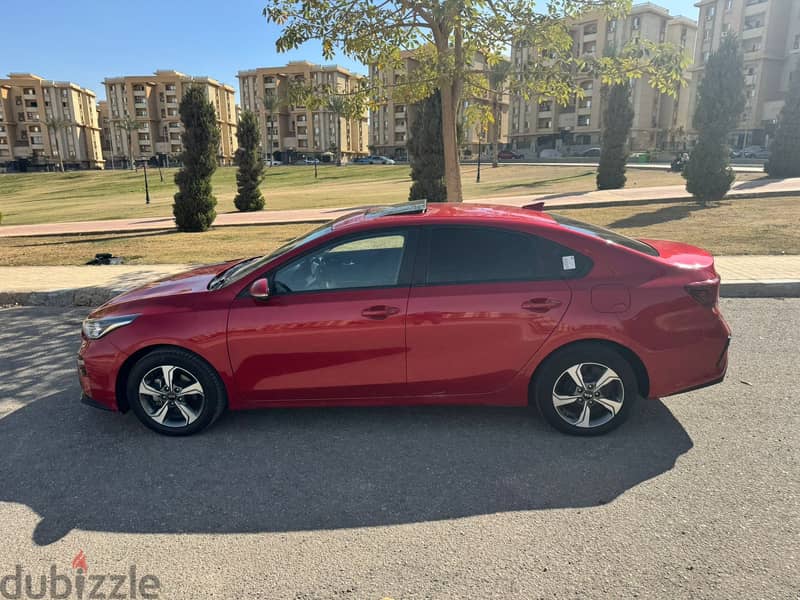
333	327
479	310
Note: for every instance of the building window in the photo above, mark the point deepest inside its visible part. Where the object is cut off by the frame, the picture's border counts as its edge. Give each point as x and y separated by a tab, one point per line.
797	42
590	28
636	23
585	103
711	12
706	35
611	26
589	47
584	120
544	124
545	106
587	86
728	4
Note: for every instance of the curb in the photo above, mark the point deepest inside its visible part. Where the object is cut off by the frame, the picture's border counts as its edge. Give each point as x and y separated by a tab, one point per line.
95	296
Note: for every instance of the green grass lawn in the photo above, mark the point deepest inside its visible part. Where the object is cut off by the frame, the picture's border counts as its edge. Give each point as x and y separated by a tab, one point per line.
28	198
745	226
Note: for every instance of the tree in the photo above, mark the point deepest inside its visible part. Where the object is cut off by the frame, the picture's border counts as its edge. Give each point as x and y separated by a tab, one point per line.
251	167
54	126
498	79
129	125
338	106
194	202
271	104
448	34
784	160
426	151
617	122
720	103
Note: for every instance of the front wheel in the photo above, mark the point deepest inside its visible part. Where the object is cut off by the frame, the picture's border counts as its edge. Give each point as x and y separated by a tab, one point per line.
174	392
586	390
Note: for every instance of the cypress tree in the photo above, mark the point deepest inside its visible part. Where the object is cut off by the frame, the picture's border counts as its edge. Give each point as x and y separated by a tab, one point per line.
720	104
617	122
251	168
426	151
194	201
784	160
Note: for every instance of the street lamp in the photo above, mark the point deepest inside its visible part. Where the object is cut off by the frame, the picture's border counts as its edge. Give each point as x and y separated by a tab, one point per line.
146	185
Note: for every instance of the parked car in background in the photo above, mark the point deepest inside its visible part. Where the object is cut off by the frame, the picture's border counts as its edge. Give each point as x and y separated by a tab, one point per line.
550	153
752	151
762	154
361	160
272	163
590	152
417	304
310	161
380	160
509	154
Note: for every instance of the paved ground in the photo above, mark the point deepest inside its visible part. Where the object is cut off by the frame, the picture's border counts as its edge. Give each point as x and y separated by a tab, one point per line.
765	187
698	496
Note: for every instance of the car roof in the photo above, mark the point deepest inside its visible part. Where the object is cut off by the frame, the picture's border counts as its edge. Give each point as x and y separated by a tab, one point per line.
444	212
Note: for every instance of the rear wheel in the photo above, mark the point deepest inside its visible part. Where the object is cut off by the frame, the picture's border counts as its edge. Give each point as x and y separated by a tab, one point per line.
587	389
175	392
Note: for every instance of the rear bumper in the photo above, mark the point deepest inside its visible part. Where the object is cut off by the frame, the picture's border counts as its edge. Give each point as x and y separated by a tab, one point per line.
701	365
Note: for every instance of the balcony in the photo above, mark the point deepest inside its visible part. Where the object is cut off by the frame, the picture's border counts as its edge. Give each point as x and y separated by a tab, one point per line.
567	121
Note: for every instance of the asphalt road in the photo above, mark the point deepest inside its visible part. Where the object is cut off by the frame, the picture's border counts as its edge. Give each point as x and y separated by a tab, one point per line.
698	496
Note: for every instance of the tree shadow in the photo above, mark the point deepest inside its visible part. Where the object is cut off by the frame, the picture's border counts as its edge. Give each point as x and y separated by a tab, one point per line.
545	182
673	212
753	183
304	469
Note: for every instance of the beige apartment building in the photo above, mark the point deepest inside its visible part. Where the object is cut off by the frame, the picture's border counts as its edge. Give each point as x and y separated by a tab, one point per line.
660	121
27	102
769	31
298	131
390	121
152	102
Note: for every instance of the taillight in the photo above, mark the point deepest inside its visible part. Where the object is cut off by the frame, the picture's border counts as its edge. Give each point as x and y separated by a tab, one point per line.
705	292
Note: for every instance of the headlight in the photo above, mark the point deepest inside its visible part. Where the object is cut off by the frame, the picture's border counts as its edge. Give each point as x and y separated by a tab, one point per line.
97	328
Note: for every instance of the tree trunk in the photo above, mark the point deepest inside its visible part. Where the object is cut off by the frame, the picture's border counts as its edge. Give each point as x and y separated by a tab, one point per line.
452	168
269	140
338	140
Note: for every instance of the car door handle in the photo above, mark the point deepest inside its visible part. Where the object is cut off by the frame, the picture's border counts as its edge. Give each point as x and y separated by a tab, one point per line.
379	312
541	305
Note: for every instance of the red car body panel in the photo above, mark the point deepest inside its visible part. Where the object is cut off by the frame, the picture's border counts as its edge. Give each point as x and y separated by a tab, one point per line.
467	344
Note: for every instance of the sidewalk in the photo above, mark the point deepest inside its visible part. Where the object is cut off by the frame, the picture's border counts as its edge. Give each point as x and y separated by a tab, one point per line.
742	277
633	196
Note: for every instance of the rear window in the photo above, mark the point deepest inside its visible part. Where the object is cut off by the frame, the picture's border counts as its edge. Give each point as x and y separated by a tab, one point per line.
475	255
604	234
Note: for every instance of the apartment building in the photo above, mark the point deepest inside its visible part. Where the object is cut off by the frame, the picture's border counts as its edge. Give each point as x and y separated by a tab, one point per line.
152	102
27	102
390	122
769	31
659	120
298	130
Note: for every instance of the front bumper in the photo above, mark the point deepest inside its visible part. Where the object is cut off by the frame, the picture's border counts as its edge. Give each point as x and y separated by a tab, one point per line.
98	363
93	403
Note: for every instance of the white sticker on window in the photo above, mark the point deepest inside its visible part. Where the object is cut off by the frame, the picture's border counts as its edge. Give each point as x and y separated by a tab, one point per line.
568	263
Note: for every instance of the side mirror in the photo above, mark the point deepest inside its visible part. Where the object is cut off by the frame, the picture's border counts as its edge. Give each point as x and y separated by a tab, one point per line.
259	289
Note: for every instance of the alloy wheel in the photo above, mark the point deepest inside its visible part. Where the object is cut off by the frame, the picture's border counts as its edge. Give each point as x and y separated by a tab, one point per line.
588	395
171	396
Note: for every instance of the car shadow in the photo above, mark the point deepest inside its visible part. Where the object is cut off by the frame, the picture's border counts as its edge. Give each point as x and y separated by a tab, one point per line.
306	469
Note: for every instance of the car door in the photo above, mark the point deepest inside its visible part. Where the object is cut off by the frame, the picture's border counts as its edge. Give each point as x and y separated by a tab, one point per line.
333	326
479	309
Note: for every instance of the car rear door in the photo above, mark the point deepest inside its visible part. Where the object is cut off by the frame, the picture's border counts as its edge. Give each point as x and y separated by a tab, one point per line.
333	326
479	309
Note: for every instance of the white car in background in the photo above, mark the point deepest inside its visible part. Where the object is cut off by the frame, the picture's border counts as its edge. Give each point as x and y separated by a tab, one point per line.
380	160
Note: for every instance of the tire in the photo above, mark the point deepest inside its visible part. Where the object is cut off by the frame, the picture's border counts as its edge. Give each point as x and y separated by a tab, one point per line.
185	412
585	410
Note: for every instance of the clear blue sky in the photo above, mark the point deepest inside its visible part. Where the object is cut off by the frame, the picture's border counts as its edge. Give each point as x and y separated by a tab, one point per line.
87	41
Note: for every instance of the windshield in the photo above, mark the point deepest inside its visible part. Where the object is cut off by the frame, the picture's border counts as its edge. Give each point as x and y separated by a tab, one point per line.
604	234
244	268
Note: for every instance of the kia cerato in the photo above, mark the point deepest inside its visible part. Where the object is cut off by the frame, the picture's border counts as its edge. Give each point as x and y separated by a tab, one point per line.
417	304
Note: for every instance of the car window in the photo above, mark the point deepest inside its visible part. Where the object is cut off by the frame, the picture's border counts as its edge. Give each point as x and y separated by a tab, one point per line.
604	234
365	262
474	255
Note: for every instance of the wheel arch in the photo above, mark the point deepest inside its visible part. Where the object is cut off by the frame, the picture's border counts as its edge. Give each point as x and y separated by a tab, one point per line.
125	369
638	366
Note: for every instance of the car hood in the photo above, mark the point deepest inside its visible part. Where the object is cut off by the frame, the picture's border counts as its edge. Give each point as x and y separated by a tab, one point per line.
189	282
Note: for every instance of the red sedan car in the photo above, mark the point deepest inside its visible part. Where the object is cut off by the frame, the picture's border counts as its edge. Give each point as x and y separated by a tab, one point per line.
416	304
